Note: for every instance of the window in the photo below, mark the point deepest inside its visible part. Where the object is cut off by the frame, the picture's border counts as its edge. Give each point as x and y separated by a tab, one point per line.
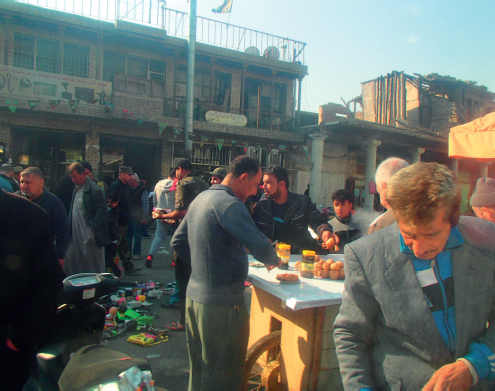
258	103
46	55
23	51
137	66
46	58
112	63
221	90
76	60
221	87
133	66
157	70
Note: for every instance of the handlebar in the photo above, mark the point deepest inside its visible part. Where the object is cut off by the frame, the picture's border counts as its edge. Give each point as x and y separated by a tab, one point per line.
84	288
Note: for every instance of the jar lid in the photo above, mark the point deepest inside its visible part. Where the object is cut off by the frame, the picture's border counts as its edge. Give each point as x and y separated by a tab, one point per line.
309	253
284	246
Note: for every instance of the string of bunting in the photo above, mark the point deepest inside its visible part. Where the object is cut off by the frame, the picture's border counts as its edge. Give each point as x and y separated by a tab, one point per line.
12	104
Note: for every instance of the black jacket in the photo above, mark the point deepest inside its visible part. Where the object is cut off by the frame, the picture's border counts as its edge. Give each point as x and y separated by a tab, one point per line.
95	212
63	190
30	274
347	231
136	203
301	213
124	192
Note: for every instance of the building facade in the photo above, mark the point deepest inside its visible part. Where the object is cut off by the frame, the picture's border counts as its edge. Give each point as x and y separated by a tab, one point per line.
113	93
396	115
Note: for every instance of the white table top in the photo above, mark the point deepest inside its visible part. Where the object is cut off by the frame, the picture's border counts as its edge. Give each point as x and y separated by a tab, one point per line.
309	293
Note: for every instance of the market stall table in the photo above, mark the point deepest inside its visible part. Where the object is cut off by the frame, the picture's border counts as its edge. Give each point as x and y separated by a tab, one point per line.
304	312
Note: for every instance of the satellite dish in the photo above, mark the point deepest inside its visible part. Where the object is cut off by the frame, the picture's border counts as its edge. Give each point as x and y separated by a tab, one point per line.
272	52
253	50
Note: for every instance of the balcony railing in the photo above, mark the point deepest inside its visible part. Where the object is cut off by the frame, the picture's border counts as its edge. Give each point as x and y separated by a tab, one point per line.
176	23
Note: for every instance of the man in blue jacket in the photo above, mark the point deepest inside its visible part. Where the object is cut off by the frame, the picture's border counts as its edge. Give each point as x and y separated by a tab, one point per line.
213	237
418	308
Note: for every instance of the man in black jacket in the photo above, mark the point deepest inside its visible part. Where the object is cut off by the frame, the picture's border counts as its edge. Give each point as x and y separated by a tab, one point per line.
139	214
88	224
32	187
121	187
65	187
30	282
285	216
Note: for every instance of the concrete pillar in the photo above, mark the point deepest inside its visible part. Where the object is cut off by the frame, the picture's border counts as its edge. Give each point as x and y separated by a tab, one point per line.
315	180
484	169
370	173
92	155
416	154
454	165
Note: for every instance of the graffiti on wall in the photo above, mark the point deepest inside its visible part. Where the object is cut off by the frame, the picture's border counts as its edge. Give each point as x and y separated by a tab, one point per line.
44	85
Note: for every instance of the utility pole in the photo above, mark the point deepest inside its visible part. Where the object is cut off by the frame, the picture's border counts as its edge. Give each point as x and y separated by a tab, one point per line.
191	52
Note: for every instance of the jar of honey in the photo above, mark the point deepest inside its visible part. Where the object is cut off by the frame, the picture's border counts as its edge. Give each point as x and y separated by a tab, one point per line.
284	254
308	264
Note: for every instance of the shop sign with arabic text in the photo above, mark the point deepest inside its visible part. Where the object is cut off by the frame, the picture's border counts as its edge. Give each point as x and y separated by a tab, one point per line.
217	117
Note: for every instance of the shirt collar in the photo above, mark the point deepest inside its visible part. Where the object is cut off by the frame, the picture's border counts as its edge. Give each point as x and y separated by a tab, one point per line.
454	241
345	221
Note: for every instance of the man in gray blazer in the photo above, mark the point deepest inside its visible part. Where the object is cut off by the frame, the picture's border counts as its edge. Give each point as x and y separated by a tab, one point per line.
418	310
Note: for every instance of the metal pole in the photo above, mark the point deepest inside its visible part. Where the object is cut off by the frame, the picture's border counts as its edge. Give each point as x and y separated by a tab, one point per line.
191	51
299	95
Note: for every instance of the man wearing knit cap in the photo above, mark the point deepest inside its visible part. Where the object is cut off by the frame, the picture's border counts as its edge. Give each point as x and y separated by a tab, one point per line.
483	199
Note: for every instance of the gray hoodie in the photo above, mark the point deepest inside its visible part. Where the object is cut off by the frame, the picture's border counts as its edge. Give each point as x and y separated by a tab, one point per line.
163	198
214	236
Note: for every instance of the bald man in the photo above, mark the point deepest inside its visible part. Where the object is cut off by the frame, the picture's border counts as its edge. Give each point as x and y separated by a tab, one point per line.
386	170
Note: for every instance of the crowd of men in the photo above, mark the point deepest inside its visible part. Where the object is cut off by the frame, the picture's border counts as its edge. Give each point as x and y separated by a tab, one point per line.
418	308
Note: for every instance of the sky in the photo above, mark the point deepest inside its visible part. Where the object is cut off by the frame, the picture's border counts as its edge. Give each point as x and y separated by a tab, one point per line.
349	42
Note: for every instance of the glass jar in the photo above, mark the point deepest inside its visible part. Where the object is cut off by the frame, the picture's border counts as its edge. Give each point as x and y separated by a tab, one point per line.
308	264
284	254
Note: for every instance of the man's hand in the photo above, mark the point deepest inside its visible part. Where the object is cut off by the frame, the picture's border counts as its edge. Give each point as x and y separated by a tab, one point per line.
157	214
271	267
454	376
326	235
143	221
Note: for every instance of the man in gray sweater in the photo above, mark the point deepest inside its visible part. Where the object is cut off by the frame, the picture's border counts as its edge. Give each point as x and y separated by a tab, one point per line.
214	236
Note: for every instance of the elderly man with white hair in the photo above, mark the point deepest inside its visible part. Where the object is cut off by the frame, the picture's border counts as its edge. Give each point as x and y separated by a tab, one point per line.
139	213
386	170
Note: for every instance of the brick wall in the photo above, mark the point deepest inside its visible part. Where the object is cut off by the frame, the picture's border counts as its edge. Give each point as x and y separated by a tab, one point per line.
5	137
92	151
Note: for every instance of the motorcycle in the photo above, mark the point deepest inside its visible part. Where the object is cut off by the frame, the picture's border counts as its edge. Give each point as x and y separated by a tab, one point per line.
78	327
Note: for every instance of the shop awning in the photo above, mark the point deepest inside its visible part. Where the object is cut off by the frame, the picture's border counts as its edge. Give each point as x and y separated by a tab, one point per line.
476	139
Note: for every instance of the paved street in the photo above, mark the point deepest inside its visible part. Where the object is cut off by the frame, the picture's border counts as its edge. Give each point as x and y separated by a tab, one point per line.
171	370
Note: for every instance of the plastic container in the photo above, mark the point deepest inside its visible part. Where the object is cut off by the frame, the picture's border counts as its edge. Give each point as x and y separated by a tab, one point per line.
284	254
308	264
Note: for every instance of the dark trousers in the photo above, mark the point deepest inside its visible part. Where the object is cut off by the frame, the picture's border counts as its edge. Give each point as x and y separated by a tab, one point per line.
182	275
124	254
217	339
110	252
